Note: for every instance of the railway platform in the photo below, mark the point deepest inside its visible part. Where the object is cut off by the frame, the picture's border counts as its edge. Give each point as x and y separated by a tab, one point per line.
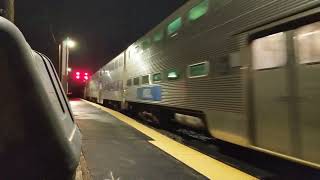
118	147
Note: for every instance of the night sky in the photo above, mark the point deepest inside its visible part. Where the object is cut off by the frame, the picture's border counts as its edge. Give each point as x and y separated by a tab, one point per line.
102	28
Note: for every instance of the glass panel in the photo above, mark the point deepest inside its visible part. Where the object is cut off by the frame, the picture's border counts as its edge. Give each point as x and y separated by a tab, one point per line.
136	81
129	82
156	77
269	51
145	79
199	10
158	36
146	44
200	69
172	74
174	26
307	41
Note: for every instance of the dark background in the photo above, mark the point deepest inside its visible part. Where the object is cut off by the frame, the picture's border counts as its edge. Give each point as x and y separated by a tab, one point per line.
102	28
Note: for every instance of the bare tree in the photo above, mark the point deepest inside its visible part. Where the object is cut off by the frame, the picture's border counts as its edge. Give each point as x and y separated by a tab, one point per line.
7	9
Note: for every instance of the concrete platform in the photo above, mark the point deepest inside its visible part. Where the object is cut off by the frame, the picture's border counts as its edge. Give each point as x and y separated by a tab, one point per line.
114	150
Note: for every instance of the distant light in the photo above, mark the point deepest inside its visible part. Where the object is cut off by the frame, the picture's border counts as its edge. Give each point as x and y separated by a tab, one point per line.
70	43
69	69
77	73
78	77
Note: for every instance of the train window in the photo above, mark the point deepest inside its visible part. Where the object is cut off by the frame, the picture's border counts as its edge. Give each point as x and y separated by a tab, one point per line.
145	79
198	11
269	51
116	64
120	62
156	77
120	85
129	82
173	74
158	36
146	44
198	70
307	43
136	81
174	26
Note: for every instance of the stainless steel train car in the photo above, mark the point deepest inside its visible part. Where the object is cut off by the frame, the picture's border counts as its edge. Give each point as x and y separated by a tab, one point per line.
245	70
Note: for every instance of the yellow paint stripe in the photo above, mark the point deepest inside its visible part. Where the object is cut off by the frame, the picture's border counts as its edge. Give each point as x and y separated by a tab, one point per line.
205	165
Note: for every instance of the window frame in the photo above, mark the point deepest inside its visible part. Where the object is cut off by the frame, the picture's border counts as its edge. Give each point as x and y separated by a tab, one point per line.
171	70
172	34
138	81
207	69
161	78
148	79
129	84
200	17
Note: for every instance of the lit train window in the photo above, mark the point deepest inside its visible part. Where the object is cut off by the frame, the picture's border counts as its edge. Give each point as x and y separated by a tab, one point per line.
307	43
198	70
174	26
269	52
129	82
146	44
156	77
136	81
158	36
173	74
145	79
199	10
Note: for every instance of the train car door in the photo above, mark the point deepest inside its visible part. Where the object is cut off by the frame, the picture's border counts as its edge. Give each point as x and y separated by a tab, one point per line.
271	93
307	51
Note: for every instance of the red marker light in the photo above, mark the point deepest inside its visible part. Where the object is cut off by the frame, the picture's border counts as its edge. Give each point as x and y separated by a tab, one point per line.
86	77
78	77
77	73
86	74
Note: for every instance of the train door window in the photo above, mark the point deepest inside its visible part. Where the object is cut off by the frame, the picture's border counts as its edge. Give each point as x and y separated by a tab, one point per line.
174	26
158	36
156	77
145	79
136	81
173	74
198	70
129	82
269	52
307	42
198	11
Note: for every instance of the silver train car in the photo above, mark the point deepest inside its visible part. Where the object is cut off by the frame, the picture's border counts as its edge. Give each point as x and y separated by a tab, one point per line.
245	70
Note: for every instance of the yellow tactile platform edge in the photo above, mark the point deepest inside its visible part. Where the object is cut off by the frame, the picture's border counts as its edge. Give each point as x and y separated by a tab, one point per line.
205	165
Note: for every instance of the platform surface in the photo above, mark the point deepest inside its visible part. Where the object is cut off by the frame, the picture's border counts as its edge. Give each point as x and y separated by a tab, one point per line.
114	150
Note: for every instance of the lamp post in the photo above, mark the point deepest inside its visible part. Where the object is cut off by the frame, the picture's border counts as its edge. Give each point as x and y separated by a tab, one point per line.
64	61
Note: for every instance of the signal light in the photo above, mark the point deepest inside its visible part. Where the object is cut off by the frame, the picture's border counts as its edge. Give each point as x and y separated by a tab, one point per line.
77	73
86	77
86	74
78	77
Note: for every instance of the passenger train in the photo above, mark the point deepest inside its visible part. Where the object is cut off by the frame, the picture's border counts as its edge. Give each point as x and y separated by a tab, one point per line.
247	71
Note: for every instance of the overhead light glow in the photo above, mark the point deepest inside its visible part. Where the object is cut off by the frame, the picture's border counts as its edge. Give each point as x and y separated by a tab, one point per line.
70	43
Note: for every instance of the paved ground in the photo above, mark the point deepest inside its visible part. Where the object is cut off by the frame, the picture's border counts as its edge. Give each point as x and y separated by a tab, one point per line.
113	150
